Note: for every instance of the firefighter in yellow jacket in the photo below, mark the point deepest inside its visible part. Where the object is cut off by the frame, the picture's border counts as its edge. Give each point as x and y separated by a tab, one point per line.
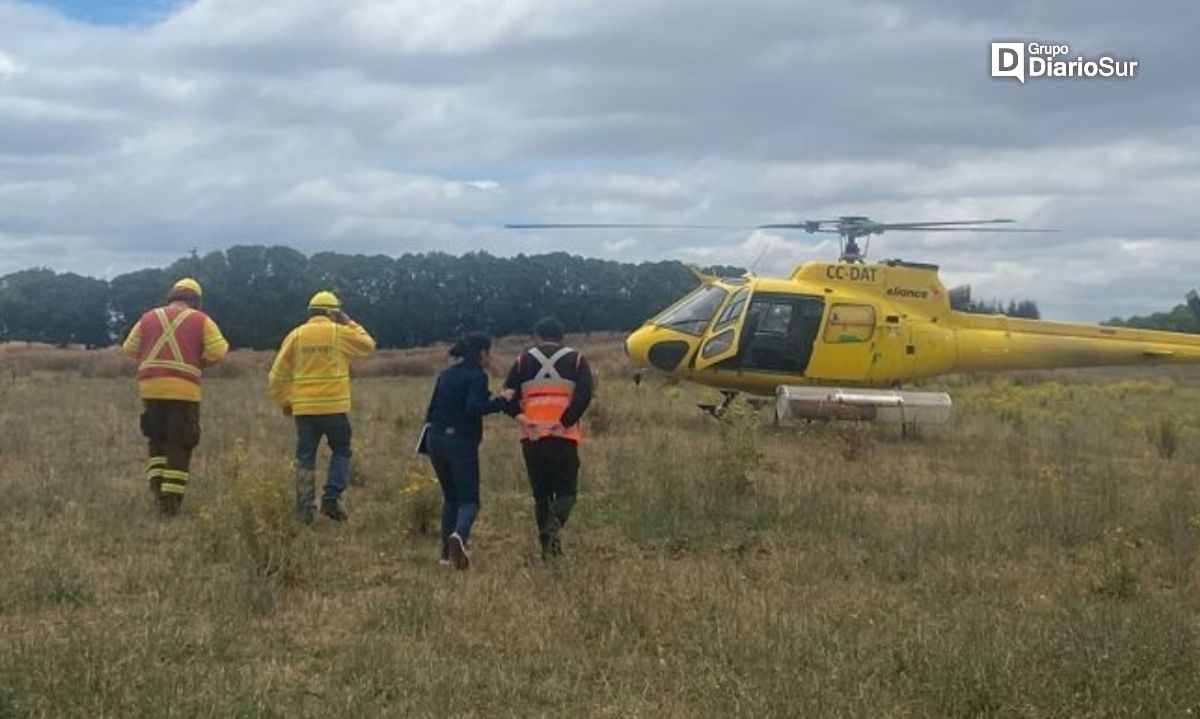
173	344
310	381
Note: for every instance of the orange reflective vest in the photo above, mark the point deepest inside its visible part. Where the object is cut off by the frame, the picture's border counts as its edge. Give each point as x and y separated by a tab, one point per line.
172	343
546	397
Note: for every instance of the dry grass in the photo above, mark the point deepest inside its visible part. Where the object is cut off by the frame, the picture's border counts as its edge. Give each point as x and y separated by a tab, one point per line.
20	359
1038	558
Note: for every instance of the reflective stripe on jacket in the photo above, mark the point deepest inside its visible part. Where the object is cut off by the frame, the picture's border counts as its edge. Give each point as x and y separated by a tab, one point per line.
172	345
311	372
545	398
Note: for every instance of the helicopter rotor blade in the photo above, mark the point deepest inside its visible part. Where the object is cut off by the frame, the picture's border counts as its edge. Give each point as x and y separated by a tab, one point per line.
946	223
850	229
617	226
969	229
807	226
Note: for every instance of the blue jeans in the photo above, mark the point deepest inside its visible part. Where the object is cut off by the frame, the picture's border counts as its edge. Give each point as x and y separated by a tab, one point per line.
336	429
456	462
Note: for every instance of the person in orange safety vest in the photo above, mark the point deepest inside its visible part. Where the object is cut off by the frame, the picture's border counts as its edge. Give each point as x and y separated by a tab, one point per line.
552	386
173	344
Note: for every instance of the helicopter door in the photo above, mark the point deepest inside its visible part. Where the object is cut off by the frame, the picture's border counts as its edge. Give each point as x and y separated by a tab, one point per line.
721	342
778	333
847	345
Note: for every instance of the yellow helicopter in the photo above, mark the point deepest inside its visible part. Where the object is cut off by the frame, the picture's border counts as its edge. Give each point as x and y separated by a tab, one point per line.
839	339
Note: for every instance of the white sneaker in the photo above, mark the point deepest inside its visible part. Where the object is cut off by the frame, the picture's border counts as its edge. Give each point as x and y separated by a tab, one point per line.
458	552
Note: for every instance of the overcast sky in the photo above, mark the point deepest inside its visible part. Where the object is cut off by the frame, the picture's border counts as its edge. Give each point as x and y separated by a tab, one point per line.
134	130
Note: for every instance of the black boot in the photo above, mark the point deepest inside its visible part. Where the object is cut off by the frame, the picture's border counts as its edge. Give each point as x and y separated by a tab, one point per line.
333	509
561	508
551	546
169	503
306	494
549	539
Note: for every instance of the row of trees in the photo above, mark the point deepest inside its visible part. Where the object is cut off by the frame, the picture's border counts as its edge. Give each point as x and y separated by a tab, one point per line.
258	293
1027	309
1182	318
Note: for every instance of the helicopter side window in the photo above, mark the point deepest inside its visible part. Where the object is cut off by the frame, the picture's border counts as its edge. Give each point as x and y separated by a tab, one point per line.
694	312
733	310
850	323
775	320
779	333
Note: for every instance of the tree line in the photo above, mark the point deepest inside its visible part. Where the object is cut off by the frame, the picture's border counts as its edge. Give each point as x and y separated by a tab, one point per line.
1026	309
1182	318
258	293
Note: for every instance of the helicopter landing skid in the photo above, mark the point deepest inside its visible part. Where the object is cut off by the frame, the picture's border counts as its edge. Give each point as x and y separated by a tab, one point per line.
716	410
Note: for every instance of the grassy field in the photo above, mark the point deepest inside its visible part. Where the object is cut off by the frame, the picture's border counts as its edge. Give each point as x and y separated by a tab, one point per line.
1036	558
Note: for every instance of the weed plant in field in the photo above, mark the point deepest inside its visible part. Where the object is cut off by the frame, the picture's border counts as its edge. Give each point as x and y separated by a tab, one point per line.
423	504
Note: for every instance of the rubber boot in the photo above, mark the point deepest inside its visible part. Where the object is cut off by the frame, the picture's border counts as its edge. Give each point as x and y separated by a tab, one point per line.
551	544
306	494
334	509
561	508
169	503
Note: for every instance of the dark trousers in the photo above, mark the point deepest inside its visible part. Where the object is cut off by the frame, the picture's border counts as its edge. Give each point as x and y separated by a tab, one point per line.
553	467
310	429
456	463
173	430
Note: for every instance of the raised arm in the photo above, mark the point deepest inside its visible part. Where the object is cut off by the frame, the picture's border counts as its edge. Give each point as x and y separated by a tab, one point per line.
355	341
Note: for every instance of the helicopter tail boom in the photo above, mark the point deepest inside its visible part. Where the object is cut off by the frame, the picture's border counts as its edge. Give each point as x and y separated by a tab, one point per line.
987	344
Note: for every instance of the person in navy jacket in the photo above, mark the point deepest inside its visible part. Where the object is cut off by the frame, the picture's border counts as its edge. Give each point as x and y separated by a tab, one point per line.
454	430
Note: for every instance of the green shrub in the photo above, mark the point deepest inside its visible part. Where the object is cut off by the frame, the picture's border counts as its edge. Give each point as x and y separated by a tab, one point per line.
422	503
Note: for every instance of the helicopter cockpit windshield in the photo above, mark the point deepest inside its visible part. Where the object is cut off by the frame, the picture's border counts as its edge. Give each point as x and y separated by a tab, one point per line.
693	313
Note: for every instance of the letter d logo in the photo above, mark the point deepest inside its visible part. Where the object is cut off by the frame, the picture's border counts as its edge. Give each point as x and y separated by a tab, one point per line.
1008	60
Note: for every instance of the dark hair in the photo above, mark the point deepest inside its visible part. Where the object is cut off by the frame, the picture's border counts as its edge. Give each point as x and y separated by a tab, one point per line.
548	328
471	347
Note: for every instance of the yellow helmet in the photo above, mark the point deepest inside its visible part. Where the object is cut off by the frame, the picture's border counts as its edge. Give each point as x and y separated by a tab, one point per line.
325	300
187	284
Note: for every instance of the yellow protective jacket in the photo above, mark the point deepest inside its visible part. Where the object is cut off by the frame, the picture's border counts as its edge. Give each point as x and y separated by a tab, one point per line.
311	373
181	349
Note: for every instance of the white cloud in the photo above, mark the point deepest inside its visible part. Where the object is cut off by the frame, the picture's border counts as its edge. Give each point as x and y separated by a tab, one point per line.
413	125
615	247
9	66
